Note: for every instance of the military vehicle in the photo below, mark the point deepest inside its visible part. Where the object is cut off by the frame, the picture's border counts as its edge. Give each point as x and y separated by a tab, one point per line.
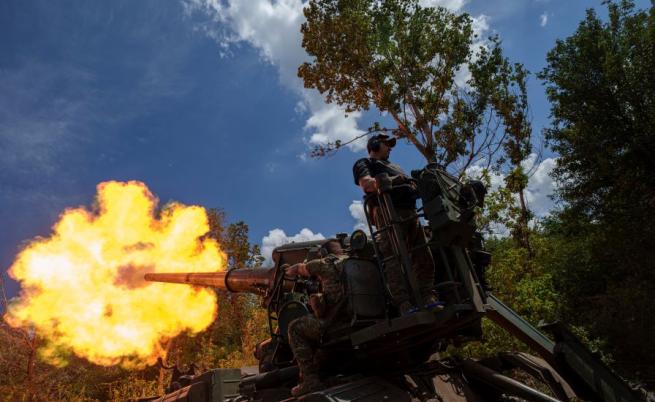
381	355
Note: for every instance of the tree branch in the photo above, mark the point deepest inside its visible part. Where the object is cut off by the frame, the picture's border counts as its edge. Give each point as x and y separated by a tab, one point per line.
4	294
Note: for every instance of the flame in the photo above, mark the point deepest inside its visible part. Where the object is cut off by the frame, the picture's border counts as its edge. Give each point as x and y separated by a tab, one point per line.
83	289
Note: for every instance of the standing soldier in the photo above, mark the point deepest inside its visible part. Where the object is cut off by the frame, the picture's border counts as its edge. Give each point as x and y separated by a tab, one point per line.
404	200
305	332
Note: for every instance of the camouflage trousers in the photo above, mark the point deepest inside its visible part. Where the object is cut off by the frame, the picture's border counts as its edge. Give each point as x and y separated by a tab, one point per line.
422	264
304	336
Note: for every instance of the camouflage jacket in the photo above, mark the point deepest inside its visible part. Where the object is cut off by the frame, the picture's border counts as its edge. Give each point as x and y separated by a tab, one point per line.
328	271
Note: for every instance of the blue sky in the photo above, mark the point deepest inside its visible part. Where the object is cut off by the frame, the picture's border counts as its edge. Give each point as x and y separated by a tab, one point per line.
199	100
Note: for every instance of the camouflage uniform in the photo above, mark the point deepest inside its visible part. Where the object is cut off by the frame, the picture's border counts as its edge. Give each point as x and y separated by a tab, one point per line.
421	261
305	332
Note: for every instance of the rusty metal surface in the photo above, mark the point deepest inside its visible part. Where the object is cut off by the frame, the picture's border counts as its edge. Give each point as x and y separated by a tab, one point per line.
503	383
250	280
455	389
371	389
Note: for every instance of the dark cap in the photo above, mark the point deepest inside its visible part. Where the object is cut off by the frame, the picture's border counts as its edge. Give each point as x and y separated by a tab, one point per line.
380	139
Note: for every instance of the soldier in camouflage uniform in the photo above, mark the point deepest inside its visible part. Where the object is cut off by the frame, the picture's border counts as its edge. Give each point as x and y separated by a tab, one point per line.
305	332
403	195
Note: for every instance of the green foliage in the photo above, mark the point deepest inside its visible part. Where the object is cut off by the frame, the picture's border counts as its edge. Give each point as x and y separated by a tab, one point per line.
601	84
131	386
516	180
78	381
591	265
233	239
407	60
255	330
522	282
504	208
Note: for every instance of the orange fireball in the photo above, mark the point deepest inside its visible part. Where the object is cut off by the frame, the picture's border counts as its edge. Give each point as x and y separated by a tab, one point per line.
83	289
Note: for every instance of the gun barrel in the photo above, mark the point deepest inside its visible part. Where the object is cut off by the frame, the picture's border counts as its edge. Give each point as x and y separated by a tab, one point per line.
243	280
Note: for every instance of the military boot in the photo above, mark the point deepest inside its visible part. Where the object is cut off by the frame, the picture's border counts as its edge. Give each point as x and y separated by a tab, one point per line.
406	308
309	369
433	303
308	383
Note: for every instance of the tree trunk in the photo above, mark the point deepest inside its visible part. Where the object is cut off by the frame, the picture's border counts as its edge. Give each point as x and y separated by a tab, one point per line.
162	370
30	360
524	232
5	304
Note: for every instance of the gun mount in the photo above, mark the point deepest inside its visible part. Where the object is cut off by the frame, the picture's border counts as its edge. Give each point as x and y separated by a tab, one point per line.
380	355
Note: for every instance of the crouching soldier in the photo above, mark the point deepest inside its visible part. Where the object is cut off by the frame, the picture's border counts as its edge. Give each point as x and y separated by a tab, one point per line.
328	306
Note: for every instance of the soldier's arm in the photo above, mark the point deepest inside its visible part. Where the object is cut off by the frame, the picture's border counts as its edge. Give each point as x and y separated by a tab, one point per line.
362	175
298	269
317	267
368	184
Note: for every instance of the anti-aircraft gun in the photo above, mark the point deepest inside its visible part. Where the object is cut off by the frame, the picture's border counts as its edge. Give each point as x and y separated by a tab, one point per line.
380	355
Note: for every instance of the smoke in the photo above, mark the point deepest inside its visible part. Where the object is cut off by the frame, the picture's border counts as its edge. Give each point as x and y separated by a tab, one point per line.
277	237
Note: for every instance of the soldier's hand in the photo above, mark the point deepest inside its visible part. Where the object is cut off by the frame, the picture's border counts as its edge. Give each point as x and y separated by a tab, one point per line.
297	269
292	270
368	184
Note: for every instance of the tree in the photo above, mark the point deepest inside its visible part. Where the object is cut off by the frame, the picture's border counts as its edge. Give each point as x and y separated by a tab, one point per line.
517	148
230	340
419	65
233	239
411	62
601	84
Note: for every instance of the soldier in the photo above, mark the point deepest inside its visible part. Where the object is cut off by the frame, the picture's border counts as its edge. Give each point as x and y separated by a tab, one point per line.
305	332
404	200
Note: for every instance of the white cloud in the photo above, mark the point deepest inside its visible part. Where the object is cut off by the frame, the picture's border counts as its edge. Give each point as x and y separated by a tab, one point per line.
453	5
356	209
329	124
540	186
496	178
480	27
273	28
543	19
277	237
